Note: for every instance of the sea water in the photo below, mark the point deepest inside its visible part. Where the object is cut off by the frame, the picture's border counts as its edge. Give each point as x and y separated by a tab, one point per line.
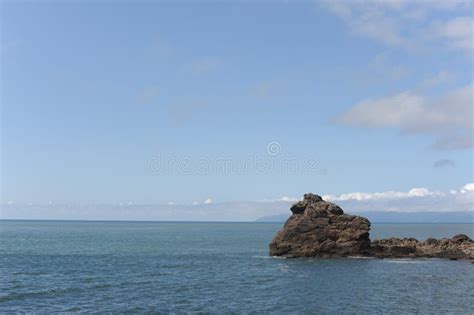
70	266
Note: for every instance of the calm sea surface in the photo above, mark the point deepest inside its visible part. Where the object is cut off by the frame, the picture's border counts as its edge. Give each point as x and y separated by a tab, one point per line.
48	266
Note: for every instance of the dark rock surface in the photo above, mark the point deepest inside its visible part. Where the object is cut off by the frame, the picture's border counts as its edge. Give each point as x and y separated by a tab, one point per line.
458	247
321	229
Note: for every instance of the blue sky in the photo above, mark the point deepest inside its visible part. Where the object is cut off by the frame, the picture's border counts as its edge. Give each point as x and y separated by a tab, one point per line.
379	95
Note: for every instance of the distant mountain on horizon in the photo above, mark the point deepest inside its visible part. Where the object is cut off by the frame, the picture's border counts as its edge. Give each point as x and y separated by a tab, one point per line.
396	217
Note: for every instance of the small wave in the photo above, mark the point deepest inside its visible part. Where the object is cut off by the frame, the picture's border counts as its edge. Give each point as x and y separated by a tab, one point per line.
268	257
404	261
45	293
102	286
32	273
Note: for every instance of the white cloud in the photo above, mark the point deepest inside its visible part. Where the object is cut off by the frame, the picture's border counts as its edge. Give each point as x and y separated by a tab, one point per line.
418	199
458	33
369	19
387	195
208	201
467	188
288	199
448	119
391	111
406	24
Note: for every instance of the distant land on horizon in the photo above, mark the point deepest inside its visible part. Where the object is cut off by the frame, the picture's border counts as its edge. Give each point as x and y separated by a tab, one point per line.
396	217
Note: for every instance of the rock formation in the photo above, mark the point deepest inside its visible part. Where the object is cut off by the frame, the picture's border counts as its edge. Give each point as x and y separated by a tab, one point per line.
458	247
321	229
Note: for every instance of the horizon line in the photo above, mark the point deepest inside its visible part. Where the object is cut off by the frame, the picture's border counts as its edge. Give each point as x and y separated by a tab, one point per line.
192	221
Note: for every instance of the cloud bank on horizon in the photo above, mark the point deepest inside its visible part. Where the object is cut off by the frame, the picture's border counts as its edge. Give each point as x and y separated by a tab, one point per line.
416	200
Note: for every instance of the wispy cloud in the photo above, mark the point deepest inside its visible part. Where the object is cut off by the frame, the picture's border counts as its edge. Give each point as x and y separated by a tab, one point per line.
448	118
370	19
456	33
444	163
438	79
382	69
406	24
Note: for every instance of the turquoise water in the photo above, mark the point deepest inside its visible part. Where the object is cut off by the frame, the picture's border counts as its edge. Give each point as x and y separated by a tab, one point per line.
48	266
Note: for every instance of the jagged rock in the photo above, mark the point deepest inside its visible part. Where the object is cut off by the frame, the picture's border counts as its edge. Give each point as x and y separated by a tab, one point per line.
458	247
321	229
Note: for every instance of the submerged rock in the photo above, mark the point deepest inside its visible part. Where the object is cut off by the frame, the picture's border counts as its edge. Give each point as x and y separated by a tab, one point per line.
321	229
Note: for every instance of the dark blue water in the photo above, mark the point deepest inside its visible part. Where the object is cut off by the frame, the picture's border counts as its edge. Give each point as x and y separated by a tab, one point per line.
214	267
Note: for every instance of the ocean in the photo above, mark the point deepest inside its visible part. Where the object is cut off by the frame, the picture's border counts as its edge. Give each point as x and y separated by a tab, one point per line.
74	266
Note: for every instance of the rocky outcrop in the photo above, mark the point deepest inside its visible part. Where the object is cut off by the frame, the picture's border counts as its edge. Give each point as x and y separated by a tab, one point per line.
321	229
458	247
